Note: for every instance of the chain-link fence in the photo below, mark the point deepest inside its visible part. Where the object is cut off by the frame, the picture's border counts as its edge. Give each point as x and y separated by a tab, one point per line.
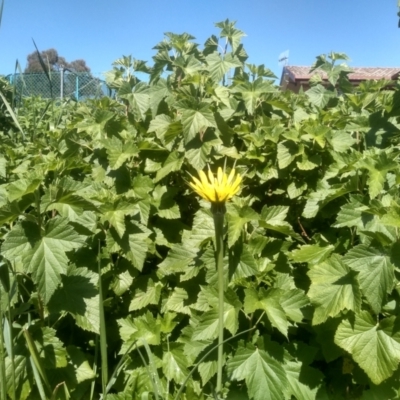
62	84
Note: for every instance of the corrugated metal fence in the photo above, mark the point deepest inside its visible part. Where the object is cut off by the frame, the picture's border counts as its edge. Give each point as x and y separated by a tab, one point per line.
62	84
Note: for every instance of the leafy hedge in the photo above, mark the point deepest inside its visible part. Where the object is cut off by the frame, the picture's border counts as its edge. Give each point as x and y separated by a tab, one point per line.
312	243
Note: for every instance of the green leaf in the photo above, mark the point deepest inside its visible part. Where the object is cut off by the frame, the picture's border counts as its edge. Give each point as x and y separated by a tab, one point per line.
351	214
292	301
209	322
378	165
166	129
319	96
199	151
334	288
178	301
287	152
139	100
50	348
81	366
237	218
144	328
268	301
207	370
203	229
272	218
172	163
78	295
375	346
196	120
45	257
375	273
145	295
179	258
311	253
265	377
242	263
229	31
341	141
219	65
21	187
251	93
304	381
175	363
133	244
118	152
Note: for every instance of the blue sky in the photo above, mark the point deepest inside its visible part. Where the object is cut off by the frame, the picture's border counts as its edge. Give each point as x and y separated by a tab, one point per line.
101	31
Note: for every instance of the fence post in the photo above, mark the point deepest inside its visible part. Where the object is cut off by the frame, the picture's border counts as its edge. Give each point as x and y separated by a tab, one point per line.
77	87
61	82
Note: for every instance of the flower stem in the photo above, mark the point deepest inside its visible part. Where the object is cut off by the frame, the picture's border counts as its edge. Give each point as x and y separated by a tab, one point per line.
219	215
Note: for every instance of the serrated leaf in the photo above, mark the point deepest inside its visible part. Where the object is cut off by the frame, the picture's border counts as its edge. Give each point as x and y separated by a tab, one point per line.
311	253
45	257
82	369
179	258
287	152
139	330
139	100
197	120
268	301
209	323
177	301
172	163
149	295
237	218
251	93
21	187
319	96
242	263
341	141
114	214
207	370
375	346
334	288
265	376
219	65
304	381
118	152
376	273
175	363
78	295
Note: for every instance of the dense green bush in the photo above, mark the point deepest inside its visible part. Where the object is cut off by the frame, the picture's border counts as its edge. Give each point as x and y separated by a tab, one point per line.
98	189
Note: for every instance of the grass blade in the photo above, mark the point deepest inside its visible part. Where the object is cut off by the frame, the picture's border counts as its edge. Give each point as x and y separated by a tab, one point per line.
45	69
149	373
103	338
1	10
3	387
36	359
13	116
118	368
38	380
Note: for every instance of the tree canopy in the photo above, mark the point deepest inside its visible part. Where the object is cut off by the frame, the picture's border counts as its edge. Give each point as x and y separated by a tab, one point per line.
53	62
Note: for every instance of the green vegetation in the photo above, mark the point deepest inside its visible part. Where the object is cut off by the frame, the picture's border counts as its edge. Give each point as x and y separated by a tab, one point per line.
108	277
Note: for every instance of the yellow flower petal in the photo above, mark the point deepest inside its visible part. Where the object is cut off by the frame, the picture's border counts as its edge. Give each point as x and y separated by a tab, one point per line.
217	189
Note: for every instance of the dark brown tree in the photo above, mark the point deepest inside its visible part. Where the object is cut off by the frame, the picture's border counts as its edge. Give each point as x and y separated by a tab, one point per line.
53	62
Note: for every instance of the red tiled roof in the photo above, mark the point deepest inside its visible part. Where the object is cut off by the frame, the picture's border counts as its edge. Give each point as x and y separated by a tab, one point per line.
360	73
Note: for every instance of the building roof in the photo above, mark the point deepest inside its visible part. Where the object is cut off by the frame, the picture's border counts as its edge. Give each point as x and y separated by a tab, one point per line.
302	73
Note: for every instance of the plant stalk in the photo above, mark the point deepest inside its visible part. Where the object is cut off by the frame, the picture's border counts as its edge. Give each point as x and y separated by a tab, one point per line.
219	214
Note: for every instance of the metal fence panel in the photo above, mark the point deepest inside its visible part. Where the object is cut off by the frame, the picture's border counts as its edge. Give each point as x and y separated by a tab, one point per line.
64	84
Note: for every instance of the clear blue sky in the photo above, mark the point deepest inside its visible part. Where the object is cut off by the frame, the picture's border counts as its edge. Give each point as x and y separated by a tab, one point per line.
101	31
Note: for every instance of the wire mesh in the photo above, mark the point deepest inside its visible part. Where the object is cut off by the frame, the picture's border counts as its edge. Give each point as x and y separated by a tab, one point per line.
62	84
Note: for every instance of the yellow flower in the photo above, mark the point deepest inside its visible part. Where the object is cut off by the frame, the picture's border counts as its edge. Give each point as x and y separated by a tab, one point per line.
216	189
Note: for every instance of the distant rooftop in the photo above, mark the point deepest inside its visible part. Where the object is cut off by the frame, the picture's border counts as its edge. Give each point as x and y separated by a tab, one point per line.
360	73
294	75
